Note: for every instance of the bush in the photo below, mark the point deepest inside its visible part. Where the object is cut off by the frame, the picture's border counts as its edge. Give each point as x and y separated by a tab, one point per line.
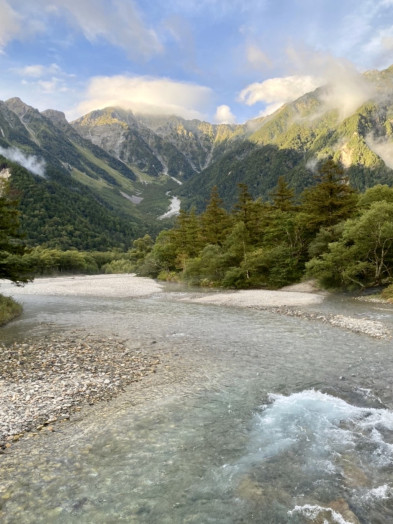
9	309
387	293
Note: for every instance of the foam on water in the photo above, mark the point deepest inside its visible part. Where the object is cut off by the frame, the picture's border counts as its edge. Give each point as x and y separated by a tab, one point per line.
323	424
380	493
314	449
313	511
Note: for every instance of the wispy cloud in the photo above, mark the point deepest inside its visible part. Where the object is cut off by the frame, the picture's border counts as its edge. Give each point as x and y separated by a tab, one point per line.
256	58
119	23
146	95
10	23
30	162
48	79
381	147
277	91
346	88
37	70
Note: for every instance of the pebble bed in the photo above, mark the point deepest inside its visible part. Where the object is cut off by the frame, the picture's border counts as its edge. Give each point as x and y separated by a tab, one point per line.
372	328
44	382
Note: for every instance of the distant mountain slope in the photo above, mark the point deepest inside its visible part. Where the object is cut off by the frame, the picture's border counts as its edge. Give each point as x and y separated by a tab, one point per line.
126	167
155	144
66	217
294	138
89	188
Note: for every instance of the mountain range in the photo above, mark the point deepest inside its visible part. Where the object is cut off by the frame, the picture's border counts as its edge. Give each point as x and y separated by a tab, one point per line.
108	177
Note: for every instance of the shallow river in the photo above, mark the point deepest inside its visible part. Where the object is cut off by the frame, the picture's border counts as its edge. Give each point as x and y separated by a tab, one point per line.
257	417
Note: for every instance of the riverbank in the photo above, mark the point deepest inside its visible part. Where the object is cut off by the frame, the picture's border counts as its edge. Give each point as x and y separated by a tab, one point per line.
9	309
287	301
124	285
44	382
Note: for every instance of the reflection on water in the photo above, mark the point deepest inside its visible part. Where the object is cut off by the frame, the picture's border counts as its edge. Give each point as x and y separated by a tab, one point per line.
273	419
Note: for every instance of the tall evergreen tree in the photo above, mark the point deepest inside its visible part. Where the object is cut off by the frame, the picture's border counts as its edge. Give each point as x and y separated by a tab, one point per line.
250	212
215	221
186	236
331	200
283	195
11	245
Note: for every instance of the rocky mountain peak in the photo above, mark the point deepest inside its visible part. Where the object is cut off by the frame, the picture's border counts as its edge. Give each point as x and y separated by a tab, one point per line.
18	106
57	118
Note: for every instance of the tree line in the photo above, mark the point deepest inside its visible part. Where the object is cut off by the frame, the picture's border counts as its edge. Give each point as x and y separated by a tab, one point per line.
332	233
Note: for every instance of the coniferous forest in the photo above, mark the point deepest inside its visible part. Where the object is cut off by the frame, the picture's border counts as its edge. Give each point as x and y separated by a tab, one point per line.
330	232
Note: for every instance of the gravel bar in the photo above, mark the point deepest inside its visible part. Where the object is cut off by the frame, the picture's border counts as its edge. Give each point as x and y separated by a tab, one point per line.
372	328
43	382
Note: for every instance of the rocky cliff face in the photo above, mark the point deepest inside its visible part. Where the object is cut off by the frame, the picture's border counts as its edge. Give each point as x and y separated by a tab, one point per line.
154	144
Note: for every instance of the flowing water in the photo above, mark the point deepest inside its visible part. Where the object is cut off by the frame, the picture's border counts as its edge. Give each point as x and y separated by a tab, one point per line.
265	418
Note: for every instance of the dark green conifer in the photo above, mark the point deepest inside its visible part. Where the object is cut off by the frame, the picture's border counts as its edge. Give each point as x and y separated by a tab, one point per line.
331	200
11	245
215	220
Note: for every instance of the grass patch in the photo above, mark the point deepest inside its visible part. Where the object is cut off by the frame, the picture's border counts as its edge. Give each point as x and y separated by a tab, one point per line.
9	309
387	293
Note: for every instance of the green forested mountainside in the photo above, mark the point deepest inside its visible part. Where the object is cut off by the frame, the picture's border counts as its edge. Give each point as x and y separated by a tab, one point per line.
259	167
53	215
291	141
120	161
51	137
75	166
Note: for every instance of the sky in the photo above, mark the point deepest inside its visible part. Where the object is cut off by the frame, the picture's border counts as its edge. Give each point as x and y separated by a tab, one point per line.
223	61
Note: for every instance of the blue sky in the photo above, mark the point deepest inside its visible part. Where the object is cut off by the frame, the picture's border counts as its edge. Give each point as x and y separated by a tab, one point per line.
217	60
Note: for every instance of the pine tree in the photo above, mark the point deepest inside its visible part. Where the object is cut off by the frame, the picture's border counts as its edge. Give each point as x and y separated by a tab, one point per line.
215	220
283	196
186	237
11	246
331	200
250	212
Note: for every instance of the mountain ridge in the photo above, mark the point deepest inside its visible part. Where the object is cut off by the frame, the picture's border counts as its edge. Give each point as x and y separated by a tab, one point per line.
132	164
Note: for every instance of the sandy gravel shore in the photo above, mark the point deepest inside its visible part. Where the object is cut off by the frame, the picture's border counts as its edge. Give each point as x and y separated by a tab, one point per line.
259	297
127	285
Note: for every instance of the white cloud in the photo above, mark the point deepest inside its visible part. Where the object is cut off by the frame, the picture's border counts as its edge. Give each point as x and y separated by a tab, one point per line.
118	22
38	70
381	147
10	23
146	95
275	92
224	115
256	57
346	89
30	162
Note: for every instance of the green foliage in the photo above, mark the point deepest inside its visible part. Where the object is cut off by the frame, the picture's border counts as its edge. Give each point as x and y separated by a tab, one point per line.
270	245
9	309
363	256
283	196
215	221
244	162
41	261
331	200
378	193
11	245
387	293
52	215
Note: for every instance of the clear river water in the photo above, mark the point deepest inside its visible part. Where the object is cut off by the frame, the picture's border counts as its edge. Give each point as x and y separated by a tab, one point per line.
252	417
